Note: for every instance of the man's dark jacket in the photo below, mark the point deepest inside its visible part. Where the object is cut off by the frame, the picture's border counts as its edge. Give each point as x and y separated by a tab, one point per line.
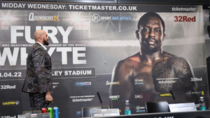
38	74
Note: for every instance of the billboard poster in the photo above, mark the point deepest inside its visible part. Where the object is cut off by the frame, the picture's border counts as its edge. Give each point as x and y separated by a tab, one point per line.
206	30
138	53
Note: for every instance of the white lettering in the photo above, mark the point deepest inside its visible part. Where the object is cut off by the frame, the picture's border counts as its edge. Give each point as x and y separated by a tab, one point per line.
23	56
15	34
77	55
50	30
65	34
64	51
11	57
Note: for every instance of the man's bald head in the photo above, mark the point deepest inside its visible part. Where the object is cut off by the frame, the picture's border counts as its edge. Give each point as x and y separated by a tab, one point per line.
41	37
38	34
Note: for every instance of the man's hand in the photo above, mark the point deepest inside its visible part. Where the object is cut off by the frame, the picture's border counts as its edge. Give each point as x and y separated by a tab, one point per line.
48	97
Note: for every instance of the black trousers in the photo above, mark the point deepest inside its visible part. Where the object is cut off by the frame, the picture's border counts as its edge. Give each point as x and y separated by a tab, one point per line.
37	101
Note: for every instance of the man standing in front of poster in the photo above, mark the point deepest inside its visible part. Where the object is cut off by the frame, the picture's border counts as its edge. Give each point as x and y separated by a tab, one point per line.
152	71
38	81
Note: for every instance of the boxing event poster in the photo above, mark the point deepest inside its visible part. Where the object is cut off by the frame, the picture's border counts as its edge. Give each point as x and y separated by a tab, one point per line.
104	49
206	30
